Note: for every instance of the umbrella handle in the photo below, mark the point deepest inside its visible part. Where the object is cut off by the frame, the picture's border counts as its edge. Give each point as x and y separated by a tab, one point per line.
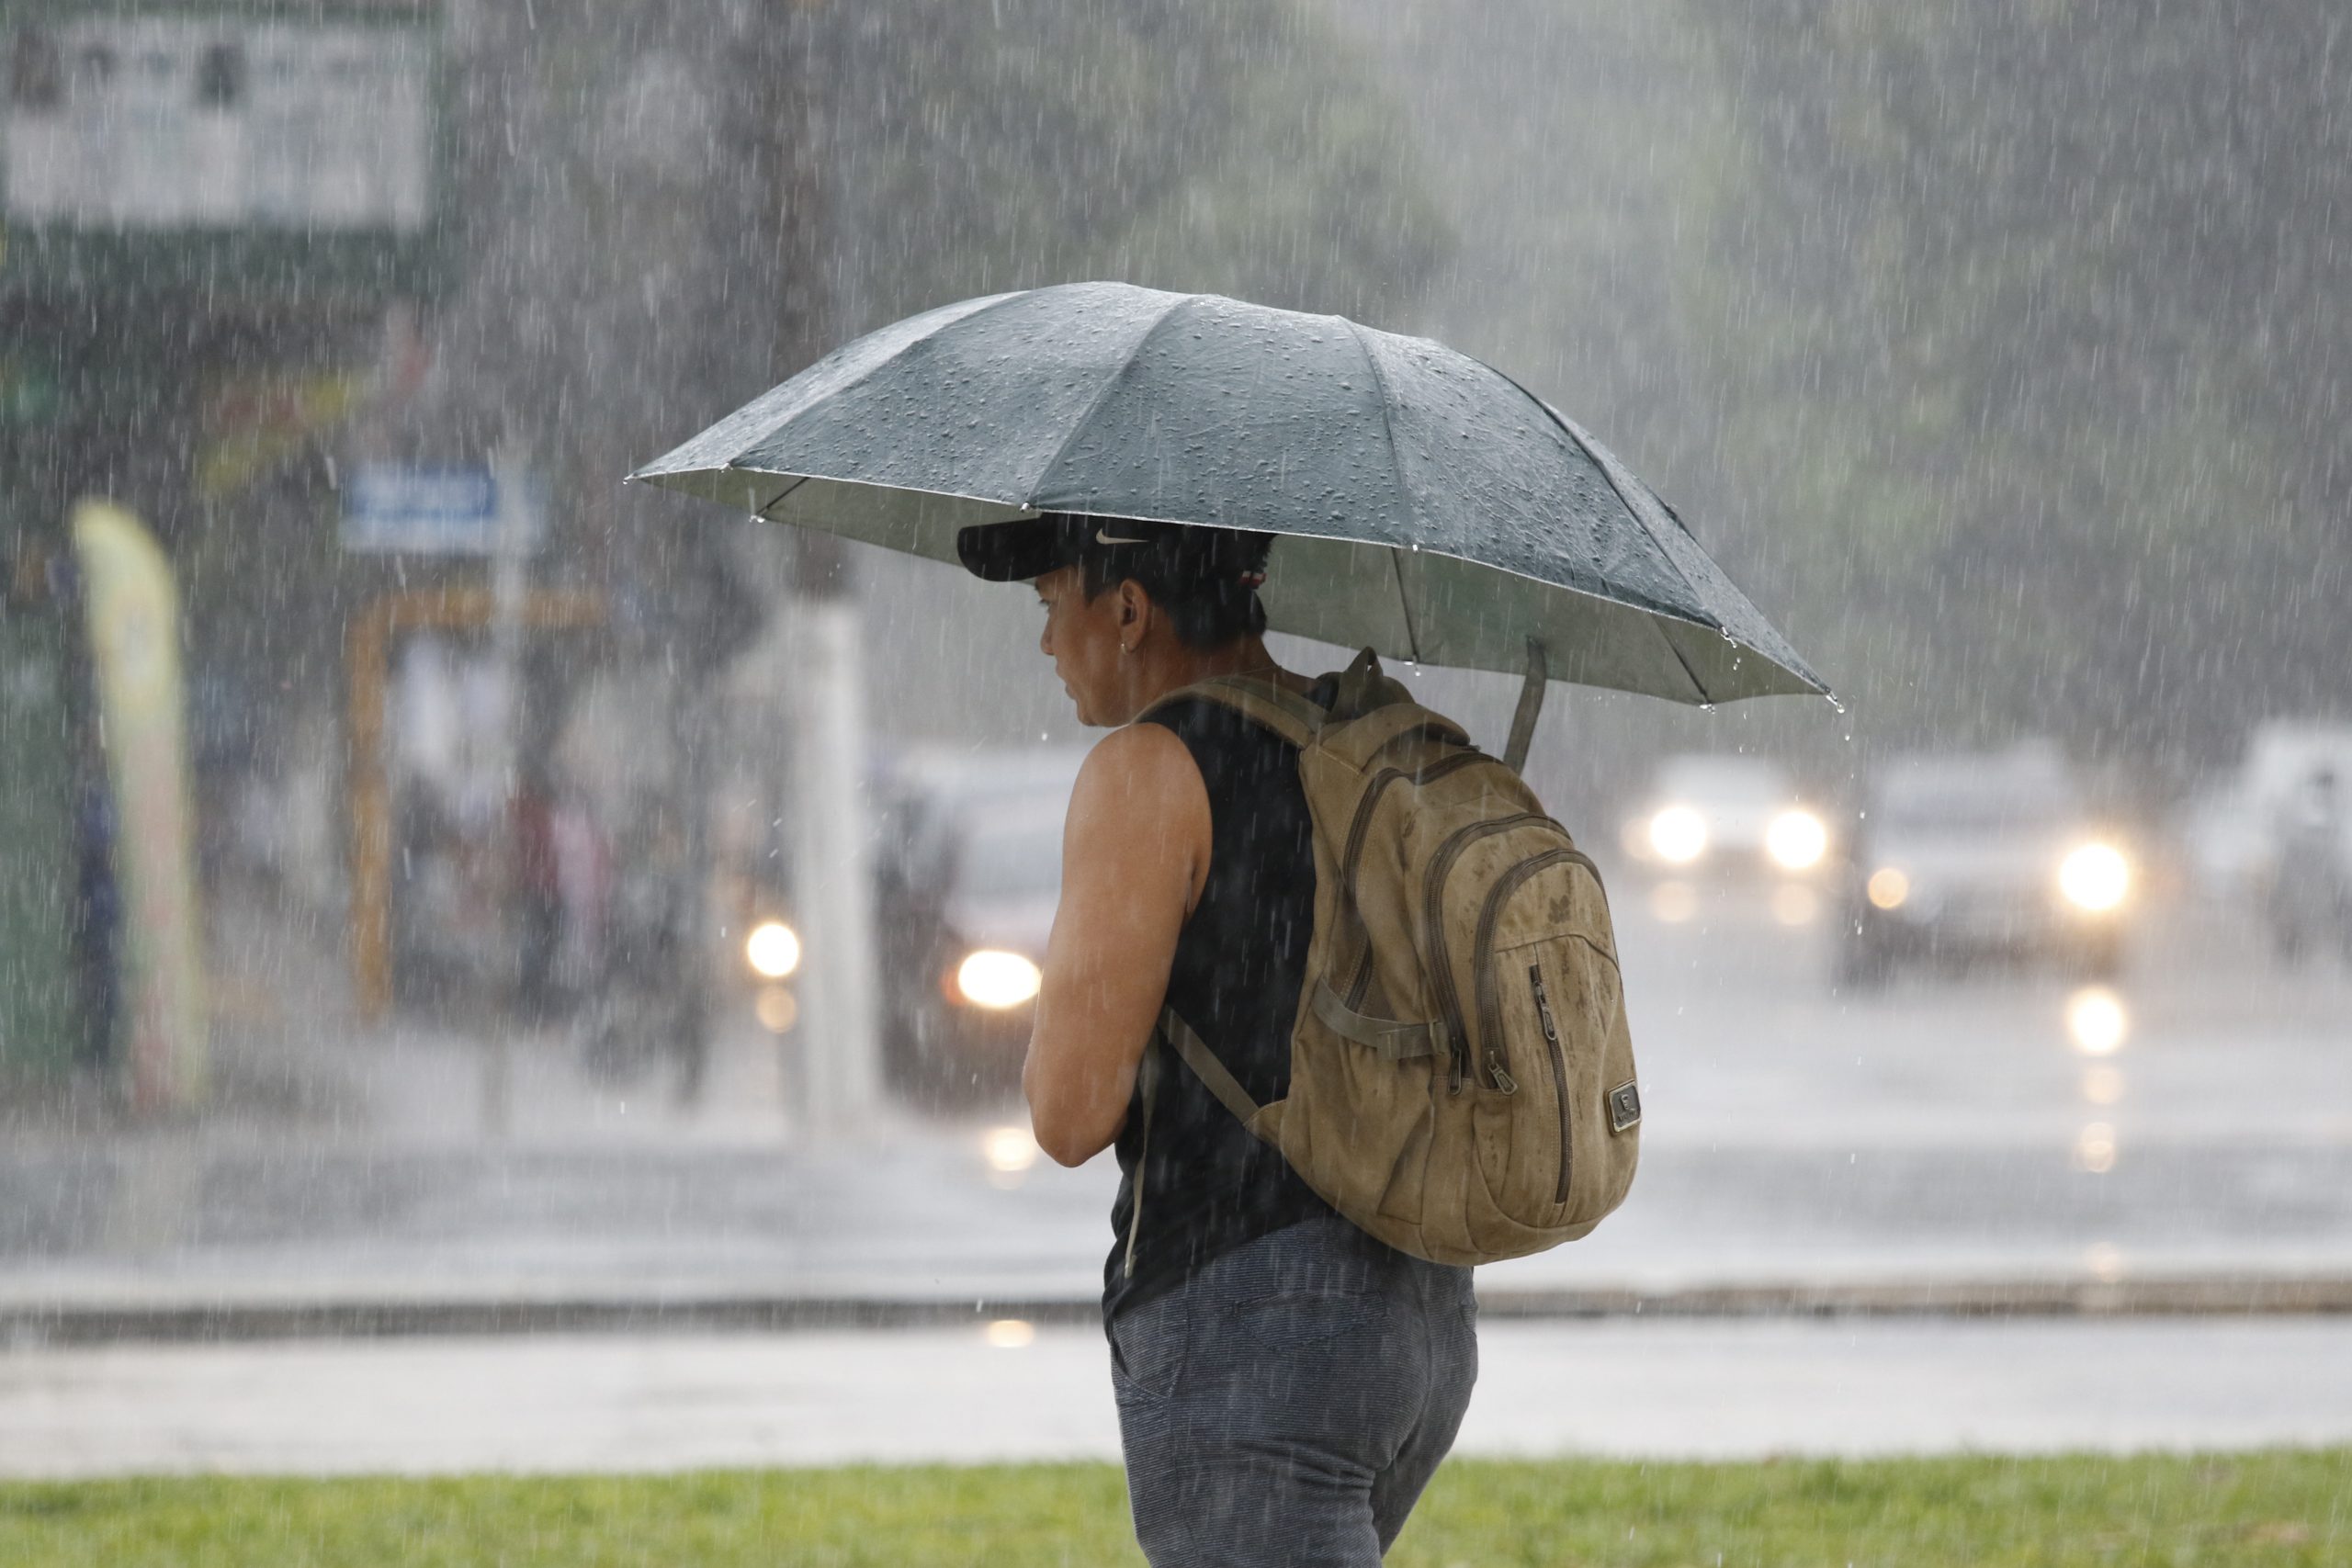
1530	707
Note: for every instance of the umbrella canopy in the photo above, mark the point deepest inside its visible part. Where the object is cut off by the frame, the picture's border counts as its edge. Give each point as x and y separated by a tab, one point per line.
1431	508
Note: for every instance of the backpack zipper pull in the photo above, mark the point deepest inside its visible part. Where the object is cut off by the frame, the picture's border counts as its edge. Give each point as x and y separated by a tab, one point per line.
1500	1075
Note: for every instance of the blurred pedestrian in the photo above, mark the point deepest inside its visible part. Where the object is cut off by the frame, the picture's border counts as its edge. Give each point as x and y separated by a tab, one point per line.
1286	1384
96	928
2310	894
583	881
535	889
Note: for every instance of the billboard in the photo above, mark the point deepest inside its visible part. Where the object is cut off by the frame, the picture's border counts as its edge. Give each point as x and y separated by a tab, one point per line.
285	142
442	509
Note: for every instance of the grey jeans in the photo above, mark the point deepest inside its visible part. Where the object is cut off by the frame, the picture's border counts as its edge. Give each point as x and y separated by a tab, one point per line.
1286	1405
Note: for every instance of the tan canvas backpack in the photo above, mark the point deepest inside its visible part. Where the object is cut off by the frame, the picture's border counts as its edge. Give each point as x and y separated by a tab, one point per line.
1461	1079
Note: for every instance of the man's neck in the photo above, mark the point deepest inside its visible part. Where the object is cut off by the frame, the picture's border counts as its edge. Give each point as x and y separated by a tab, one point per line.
1177	666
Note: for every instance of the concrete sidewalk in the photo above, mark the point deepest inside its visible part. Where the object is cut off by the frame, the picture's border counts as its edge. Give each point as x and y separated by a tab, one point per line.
1010	1391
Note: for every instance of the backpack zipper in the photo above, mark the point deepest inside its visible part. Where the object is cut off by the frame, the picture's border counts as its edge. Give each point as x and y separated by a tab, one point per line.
1489	1003
1360	981
1559	1074
1449	999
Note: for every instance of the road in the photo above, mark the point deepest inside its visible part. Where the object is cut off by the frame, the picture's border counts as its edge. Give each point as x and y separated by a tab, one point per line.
1941	1130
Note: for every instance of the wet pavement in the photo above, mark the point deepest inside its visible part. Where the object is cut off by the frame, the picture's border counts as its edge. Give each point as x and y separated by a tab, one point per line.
1946	1129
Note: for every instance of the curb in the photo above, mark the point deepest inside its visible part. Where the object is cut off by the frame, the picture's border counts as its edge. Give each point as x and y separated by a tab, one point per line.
27	1326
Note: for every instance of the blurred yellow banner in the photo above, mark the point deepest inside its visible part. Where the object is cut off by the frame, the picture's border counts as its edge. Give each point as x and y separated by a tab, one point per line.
131	610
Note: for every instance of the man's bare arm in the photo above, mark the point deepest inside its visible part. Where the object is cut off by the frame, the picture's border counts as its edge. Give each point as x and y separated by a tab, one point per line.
1134	854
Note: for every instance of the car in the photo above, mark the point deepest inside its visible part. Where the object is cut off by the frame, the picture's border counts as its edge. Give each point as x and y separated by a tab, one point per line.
921	791
1727	813
1967	856
967	886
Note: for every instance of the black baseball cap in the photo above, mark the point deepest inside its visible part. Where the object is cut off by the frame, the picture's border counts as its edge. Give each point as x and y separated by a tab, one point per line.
1156	553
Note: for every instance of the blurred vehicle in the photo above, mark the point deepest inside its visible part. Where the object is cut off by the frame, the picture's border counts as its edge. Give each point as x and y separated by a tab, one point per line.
967	881
1979	855
1726	813
963	1001
923	789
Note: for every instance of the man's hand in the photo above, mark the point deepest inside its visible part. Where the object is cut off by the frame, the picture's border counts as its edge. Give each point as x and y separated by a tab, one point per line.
1134	857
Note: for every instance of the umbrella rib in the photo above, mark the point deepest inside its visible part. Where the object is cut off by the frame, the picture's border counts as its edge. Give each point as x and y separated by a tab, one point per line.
1405	602
1657	625
1623	498
1387	425
776	499
1077	426
1396	466
982	308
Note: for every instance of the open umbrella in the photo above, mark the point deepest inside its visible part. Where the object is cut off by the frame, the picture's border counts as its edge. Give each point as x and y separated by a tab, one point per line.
1430	507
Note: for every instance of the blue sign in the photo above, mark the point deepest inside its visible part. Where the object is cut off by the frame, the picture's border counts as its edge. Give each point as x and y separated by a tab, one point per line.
429	509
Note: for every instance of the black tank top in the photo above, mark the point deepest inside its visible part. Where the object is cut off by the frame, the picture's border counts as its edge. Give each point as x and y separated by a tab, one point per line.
1239	963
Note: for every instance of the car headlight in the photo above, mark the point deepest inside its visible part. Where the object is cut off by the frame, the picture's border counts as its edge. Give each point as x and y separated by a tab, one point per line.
2094	877
1888	887
990	978
772	950
1679	835
1796	840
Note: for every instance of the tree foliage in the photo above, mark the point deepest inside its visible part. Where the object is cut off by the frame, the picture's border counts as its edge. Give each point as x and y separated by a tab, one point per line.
1236	146
2039	349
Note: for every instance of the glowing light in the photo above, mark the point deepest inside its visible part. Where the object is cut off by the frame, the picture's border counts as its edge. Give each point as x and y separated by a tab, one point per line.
1679	835
1796	840
1795	906
1674	902
989	978
1011	1333
2105	1260
2094	1148
1010	1149
2097	1022
773	949
2102	1085
778	1009
2094	877
1888	887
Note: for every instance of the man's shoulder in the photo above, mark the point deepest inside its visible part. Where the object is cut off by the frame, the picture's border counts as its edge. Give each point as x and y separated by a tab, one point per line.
1142	768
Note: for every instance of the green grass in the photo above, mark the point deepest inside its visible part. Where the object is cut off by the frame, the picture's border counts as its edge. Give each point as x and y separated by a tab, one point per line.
2269	1508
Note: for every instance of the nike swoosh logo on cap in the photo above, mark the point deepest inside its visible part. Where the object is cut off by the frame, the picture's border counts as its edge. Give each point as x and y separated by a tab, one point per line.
1104	536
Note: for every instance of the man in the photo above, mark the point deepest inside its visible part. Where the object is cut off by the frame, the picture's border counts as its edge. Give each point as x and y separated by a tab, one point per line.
1286	1384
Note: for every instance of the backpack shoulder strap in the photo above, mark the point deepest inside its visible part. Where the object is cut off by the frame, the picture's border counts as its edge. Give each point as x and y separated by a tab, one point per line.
1263	702
1196	1054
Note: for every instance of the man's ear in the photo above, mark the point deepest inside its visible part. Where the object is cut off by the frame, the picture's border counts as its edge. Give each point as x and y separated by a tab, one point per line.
1134	606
